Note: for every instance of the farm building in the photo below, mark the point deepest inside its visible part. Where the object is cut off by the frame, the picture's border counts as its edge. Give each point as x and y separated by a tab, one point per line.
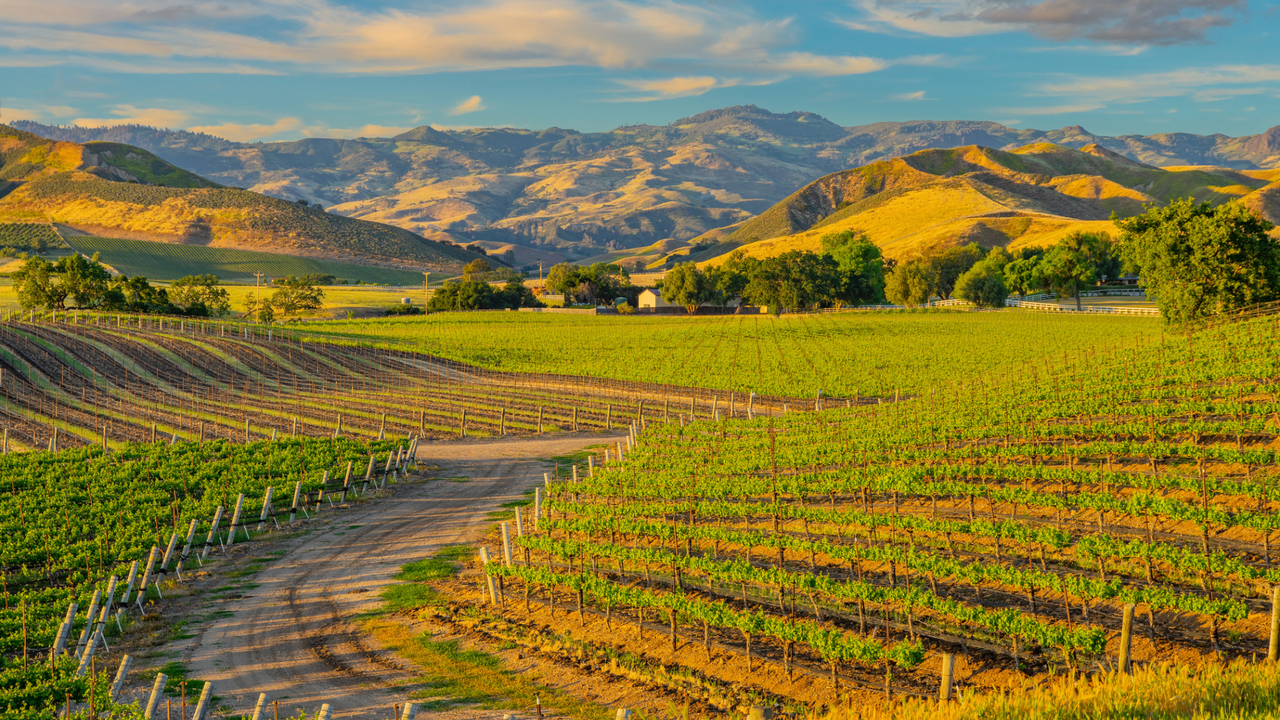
652	299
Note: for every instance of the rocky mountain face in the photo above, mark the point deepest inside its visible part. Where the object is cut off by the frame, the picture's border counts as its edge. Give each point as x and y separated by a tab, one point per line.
582	194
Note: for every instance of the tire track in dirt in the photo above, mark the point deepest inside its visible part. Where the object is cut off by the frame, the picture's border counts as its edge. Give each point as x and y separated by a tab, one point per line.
293	637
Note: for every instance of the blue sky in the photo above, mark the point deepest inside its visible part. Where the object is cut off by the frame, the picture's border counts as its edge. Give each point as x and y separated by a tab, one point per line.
284	69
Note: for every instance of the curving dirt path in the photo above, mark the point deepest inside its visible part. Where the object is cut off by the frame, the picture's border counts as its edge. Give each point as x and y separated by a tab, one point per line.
291	636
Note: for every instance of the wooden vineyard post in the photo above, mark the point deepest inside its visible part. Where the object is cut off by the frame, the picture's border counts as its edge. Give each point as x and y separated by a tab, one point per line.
608	418
591	466
266	509
346	482
537	507
186	548
502	421
153	432
128	590
337	432
1126	638
462	424
948	676
1273	650
202	705
382	431
104	439
324	713
295	426
368	474
213	534
484	564
639	410
751	404
121	674
293	509
519	523
104	432
6	441
539	419
257	709
235	521
247	429
154	700
575	419
506	544
146	575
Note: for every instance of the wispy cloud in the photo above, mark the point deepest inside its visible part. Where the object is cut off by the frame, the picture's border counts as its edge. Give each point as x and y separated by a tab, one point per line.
1207	82
250	132
470	105
130	115
1052	109
1121	22
917	95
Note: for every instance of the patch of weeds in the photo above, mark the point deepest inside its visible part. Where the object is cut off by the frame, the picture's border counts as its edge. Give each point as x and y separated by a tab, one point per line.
413	593
354	527
455	676
460	480
250	569
177	673
526	500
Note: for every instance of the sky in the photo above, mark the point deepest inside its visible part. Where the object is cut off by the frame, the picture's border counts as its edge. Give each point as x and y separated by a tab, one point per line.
251	70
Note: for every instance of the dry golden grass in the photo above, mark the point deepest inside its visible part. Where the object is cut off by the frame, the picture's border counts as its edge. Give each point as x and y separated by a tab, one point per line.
1241	691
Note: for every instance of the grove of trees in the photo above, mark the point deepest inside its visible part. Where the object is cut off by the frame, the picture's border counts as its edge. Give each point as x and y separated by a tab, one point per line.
88	285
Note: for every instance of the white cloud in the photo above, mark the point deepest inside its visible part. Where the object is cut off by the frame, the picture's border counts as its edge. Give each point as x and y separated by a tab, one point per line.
917	95
130	115
249	132
186	36
472	104
665	89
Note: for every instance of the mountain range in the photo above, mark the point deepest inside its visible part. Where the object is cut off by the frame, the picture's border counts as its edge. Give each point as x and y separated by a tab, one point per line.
637	190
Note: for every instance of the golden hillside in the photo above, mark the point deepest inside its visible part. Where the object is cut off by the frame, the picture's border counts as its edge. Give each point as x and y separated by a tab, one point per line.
1031	196
120	191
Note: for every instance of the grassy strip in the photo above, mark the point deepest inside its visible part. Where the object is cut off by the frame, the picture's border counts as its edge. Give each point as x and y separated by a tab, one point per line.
1239	691
453	676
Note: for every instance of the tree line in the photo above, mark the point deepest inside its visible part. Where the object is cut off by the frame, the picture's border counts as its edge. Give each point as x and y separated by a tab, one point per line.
83	283
1193	259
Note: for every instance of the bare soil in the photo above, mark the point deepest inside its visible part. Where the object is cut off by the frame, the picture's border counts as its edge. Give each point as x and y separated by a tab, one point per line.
293	632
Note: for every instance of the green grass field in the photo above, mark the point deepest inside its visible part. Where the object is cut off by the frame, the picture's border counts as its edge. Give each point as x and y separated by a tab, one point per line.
797	355
163	261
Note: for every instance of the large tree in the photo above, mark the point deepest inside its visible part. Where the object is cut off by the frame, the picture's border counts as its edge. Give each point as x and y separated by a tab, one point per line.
1079	261
951	263
912	283
861	266
200	295
795	279
983	284
687	286
734	274
1197	260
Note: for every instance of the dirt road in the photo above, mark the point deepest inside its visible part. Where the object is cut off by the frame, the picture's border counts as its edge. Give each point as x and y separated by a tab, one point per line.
292	637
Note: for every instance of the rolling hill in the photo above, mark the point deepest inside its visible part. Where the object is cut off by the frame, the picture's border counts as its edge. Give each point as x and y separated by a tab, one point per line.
582	195
115	190
1031	196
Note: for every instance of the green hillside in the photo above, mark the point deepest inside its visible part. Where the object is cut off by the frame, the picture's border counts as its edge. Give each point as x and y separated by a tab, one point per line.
165	261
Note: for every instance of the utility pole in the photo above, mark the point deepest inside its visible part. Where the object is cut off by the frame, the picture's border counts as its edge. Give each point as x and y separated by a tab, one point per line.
257	300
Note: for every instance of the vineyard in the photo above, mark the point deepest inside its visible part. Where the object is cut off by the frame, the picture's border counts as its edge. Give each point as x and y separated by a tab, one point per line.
29	236
166	261
90	538
842	355
79	379
1011	524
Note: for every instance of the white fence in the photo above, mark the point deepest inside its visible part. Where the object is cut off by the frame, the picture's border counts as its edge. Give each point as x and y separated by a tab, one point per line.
1097	309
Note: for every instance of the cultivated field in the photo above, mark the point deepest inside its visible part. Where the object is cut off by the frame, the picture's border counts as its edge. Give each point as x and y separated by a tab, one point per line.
842	355
837	556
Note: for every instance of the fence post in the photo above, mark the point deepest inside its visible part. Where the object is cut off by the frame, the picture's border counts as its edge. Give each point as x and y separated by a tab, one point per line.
213	534
235	520
121	674
506	543
1126	638
1274	647
257	709
948	676
156	689
203	705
